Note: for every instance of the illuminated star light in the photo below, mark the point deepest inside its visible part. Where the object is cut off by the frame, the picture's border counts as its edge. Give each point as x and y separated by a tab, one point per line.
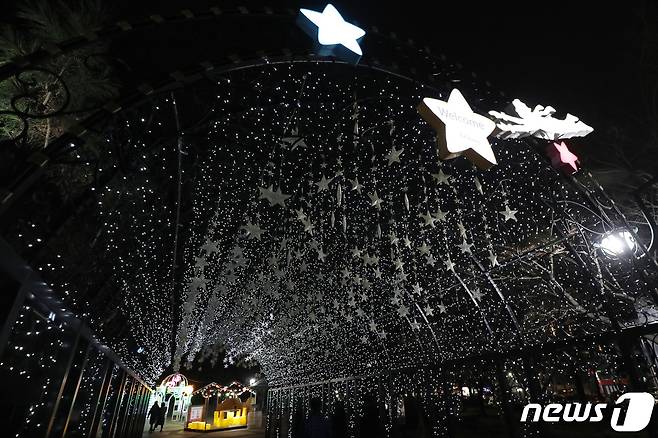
562	155
332	29
461	131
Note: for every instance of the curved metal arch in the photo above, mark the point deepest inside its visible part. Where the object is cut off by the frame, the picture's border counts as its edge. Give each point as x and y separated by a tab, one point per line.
35	163
123	27
176	80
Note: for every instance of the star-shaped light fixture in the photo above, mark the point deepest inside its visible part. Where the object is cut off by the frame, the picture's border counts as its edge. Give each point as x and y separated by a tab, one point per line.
562	158
333	30
460	131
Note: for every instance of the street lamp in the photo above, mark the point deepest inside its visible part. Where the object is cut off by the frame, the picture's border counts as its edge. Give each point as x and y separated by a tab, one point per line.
618	243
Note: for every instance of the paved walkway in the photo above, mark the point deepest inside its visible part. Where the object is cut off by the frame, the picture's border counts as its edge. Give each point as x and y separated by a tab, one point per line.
175	429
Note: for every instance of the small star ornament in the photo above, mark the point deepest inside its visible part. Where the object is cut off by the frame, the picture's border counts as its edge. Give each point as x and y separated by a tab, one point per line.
508	213
562	158
275	197
323	184
493	259
253	231
375	200
460	131
293	140
394	155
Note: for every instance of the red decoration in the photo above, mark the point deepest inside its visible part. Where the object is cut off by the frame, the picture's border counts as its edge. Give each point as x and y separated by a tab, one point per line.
562	158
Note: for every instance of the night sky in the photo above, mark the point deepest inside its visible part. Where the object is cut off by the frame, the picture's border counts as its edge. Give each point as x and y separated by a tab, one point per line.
579	57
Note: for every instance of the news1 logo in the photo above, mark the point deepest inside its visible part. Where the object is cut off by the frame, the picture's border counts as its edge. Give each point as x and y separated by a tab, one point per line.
638	414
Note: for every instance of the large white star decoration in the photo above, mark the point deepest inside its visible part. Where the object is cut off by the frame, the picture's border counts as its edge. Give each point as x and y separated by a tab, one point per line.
332	29
459	129
562	158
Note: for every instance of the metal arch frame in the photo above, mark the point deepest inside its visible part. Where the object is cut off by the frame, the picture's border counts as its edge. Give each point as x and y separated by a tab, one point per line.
176	80
37	161
17	65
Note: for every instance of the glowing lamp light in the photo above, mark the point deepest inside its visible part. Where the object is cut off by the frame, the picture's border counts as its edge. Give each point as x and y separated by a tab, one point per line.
252	381
618	243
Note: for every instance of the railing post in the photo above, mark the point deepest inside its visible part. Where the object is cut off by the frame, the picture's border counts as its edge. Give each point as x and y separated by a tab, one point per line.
62	385
101	398
117	404
126	412
83	366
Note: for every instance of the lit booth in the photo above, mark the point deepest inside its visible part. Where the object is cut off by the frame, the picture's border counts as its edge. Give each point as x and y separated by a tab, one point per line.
215	407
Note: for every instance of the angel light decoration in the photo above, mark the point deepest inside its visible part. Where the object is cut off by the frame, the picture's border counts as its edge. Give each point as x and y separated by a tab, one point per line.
521	121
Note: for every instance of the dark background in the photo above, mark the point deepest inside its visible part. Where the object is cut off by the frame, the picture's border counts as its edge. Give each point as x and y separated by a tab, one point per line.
598	61
586	58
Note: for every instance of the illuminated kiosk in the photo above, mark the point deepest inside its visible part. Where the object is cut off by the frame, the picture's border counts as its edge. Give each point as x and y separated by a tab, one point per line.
176	393
231	411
